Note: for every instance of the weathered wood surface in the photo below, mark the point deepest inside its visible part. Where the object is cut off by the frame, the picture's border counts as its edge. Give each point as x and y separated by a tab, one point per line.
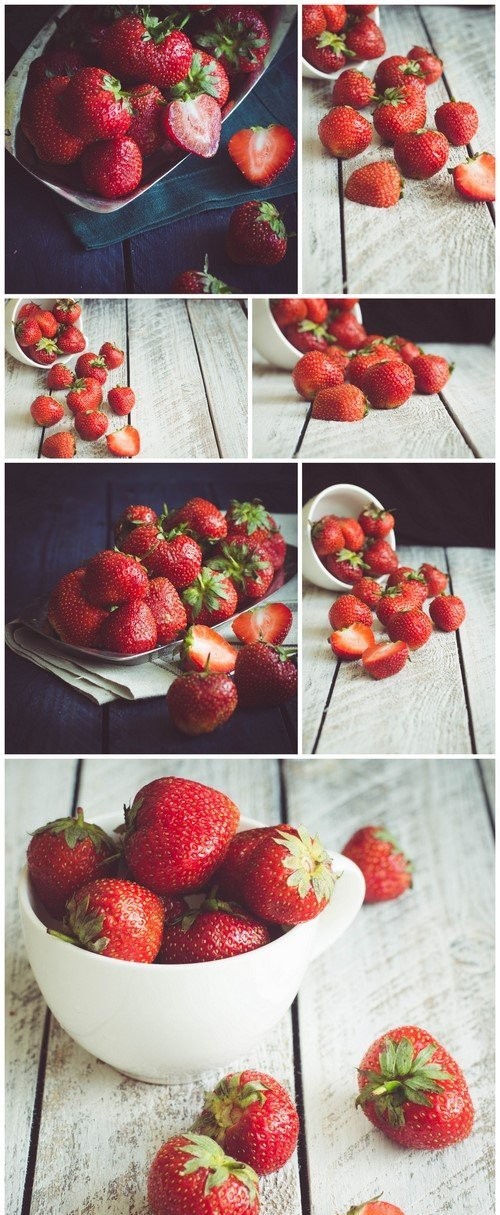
458	423
185	360
431	241
434	706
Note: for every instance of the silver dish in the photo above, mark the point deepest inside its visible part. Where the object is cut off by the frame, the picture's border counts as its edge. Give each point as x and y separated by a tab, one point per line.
64	179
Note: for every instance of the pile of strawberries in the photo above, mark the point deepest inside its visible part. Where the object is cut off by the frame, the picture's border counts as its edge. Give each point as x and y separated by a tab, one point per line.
357	552
334	33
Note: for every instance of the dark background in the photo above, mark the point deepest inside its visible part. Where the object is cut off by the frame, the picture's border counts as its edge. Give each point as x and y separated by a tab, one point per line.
431	320
436	504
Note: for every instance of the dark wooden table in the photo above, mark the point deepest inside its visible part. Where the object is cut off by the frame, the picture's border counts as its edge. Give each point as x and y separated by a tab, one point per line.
57	517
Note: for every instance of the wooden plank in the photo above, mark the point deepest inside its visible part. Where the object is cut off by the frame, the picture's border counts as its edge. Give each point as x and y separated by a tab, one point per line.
106	321
425	960
468	71
220	331
278	414
472	576
22	385
487	768
322	269
470	393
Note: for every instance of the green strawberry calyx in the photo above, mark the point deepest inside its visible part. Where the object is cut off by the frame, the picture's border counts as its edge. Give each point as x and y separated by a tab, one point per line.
111	85
233	41
269	214
253	514
335	43
403	1076
355	560
208	589
75	830
224	1106
206	1154
309	862
87	925
239	563
376	512
362	1207
210	903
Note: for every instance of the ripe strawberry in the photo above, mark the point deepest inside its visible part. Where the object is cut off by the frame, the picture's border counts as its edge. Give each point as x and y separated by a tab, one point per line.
313	20
60	446
198	703
91	424
306	335
421	154
228	877
399	110
343	302
313	371
317	310
194	125
365	38
70	340
377	184
354	536
353	88
375	1207
41	122
191	1173
204	649
206	75
211	598
288	877
117	919
376	522
146	127
65	854
46	411
246	566
406	350
178	832
95	105
262	153
431	66
171	555
213	930
66	311
256	235
385	659
346	566
389	384
327	53
458	121
396	70
112	168
125	442
113	357
414	1091
59	376
404	574
28	310
199	282
379	557
265	676
386	870
47	323
129	629
92	366
397	598
368	591
145	48
201	518
112	578
121	400
336	17
130	519
167	609
447	613
271	622
362	360
435	579
238	36
347	330
327	536
431	372
286	312
84	394
347	610
350	642
253	1118
343	403
27	332
69	613
411	625
344	132
58	62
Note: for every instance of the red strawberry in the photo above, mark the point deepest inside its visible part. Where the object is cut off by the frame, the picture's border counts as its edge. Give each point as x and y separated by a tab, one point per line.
91	424
252	519
347	610
421	154
286	312
204	649
345	565
336	17
327	536
132	518
313	20
63	855
362	360
146	127
92	366
253	1118
399	110
70	340
344	132
171	555
194	125
265	676
198	703
376	522
47	323
377	184
414	1091
397	598
129	629
288	877
313	371
28	332
112	578
247	567
199	282
432	67
375	1207
262	153
46	411
349	643
206	75
343	302
396	70
113	357
365	38
167	608
389	384
200	517
28	310
447	613
41	122
229	875
238	36
344	403
327	53
431	372
411	625
145	48
379	557
117	919
353	88
354	536
368	591
435	579
112	168
57	62
306	335
213	930
386	870
60	446
72	617
125	442
190	1173
404	574
458	121
347	330
271	622
95	105
211	598
66	311
178	831
385	659
317	310
256	235
407	350
59	376
84	394
121	400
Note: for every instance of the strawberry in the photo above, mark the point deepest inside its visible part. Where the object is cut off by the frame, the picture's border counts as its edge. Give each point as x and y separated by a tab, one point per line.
458	121
253	1118
70	340
84	394
262	153
92	366
377	184
389	384
431	66
112	168
69	613
125	442
379	557
265	676
365	38
47	323
144	48
350	642
411	625
194	125
286	312
171	555
435	579
63	855
256	235
178	832
313	371
343	302
368	591
167	609
132	518
362	360
344	403
375	1207
112	577
206	75
288	877
399	110
59	376
229	875
327	536
306	335
431	372
385	659
66	311
354	536
406	350
336	17
404	574
211	598
327	53
376	522
271	622
28	332
199	282
190	1173
146	127
113	357
238	36
129	629
447	613
201	518
386	870
396	70
414	1091
353	88
346	565
198	703
91	424
421	154
41	122
57	62
28	310
397	598
46	411
317	310
247	567
60	446
213	930
344	132
117	919
347	610
313	21
95	105
204	649
122	400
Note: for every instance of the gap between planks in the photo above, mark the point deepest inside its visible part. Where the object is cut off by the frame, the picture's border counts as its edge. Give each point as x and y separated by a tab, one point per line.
463	674
207	395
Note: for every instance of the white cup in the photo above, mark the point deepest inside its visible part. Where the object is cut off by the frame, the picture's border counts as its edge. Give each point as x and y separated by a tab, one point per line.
312	73
344	500
270	341
168	1023
12	309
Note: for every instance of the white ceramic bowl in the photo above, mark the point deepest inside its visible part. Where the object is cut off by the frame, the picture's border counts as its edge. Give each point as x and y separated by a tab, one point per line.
347	501
270	341
169	1023
12	309
312	73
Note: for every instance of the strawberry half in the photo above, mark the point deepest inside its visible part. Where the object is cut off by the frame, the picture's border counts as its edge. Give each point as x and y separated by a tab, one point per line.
475	179
350	643
194	125
385	658
261	153
271	623
203	648
124	442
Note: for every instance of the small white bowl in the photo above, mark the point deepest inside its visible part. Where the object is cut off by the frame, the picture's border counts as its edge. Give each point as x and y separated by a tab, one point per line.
270	341
347	501
313	73
12	309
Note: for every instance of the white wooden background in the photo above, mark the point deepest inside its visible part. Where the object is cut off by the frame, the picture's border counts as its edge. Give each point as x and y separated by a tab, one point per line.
426	959
458	423
187	363
442	703
432	241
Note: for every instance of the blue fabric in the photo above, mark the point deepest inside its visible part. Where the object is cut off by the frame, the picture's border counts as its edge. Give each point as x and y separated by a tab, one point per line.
199	185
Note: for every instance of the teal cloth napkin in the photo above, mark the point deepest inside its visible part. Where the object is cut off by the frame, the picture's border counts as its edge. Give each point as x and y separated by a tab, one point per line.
199	185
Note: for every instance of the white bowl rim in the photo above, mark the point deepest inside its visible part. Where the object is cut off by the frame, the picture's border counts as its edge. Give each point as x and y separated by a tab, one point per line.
391	538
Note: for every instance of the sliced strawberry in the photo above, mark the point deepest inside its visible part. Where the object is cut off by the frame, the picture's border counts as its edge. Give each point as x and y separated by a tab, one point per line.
271	622
124	442
385	658
350	643
475	179
194	125
261	153
204	649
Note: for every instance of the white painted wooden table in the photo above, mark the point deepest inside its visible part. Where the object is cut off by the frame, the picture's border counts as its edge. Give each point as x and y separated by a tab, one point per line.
432	241
442	703
81	1136
187	363
457	423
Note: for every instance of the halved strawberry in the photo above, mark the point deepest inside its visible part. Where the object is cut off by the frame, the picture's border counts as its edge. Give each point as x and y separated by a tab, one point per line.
194	125
271	622
124	442
475	179
204	649
385	658
261	153
350	643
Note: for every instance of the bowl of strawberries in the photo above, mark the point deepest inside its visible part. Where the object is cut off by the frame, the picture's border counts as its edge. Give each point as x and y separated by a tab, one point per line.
338	36
347	535
40	331
283	329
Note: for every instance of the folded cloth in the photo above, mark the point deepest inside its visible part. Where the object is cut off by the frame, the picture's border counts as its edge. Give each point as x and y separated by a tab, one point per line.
199	185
